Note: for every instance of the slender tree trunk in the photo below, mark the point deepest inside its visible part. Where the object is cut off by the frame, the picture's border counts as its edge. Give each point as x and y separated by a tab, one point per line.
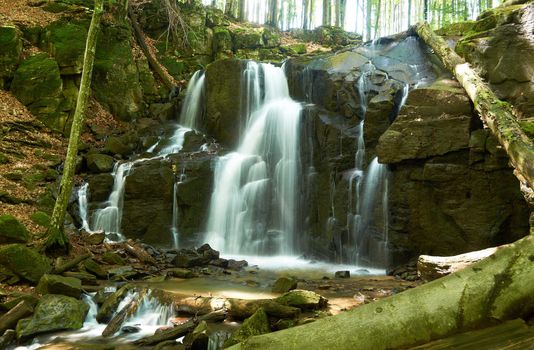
242	14
377	19
342	9
495	289
228	7
409	13
498	115
425	10
56	234
326	12
305	13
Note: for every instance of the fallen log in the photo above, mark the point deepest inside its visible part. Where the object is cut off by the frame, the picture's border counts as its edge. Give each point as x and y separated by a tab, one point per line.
431	267
58	270
116	322
237	308
499	116
496	289
10	319
180	330
139	253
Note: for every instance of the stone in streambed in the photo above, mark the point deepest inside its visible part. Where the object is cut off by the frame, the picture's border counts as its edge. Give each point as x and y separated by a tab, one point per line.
55	284
342	274
180	273
54	313
93	267
99	163
284	284
256	324
113	258
303	299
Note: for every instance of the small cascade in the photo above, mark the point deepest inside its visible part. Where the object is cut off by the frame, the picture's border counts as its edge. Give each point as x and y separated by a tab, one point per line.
192	109
83	205
108	218
150	313
368	189
174	228
253	207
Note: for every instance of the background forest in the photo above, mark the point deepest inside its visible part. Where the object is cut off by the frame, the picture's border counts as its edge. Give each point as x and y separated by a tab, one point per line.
371	18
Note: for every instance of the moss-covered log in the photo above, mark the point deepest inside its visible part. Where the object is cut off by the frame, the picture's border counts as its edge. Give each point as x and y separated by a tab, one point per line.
499	116
495	289
56	234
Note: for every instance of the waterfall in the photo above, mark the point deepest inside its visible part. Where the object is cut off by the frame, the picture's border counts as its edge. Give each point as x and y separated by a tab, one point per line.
174	228
253	208
108	219
368	189
83	205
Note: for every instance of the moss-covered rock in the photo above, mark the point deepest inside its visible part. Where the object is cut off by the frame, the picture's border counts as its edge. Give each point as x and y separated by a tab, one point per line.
222	39
303	299
247	38
24	262
40	218
115	145
11	44
271	37
37	84
294	49
54	313
93	267
456	29
284	284
215	18
12	231
65	41
55	284
256	324
99	163
113	258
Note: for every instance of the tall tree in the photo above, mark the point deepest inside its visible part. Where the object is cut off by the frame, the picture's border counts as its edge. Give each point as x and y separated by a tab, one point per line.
327	12
305	14
241	11
56	234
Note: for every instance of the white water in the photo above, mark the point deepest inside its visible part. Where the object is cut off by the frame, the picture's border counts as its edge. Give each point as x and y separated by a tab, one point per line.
108	219
253	207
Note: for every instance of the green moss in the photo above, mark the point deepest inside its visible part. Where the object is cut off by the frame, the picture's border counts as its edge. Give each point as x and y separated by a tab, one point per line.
24	262
37	84
247	38
11	44
65	41
222	39
4	159
528	127
11	230
456	29
256	324
40	218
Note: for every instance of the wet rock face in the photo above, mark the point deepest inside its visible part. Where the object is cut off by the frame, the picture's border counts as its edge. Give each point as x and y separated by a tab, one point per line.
451	187
501	44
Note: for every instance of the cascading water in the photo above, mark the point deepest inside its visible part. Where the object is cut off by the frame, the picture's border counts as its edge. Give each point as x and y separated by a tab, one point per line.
253	207
108	218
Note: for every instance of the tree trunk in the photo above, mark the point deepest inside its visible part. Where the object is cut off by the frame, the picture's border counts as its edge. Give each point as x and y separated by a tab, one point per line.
10	319
495	289
228	7
425	10
56	234
242	14
128	310
496	114
431	267
326	12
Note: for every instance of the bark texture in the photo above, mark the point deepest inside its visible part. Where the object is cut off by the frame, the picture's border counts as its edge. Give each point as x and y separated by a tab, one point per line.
56	234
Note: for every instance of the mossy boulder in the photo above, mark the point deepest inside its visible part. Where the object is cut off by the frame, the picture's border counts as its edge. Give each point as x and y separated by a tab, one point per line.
256	324
99	163
113	258
456	29
11	230
294	49
65	41
55	284
40	218
215	18
115	145
54	313
284	284
116	77
37	84
303	299
271	38
24	262
247	38
222	39
93	267
11	44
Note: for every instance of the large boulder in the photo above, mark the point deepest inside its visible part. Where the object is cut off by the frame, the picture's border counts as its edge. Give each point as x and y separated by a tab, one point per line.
223	86
425	128
100	163
11	230
55	284
37	84
54	313
303	299
11	44
24	262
